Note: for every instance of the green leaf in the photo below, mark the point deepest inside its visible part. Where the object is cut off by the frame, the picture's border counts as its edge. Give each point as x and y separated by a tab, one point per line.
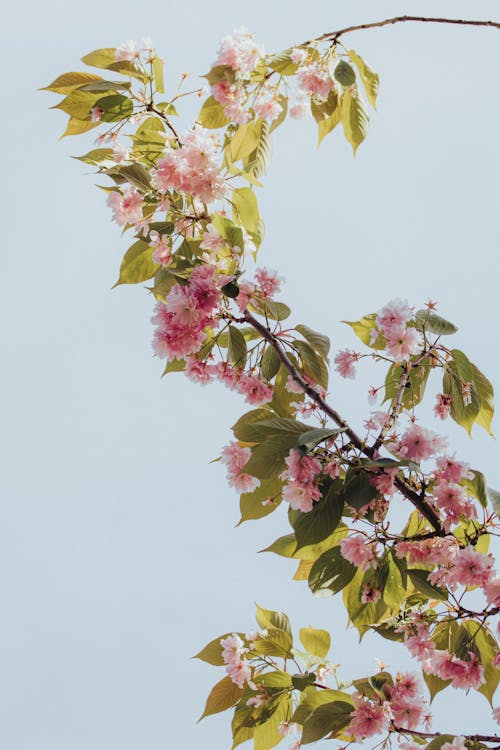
420	579
344	74
101	85
394	590
212	653
224	695
269	364
100	58
323	519
311	699
135	174
158	74
363	329
212	115
67	82
97	156
283	64
266	735
438	742
271	309
432	323
116	107
312	438
312	363
358	491
269	618
328	124
277	642
246	208
256	504
268	458
330	718
331	573
368	76
415	386
315	641
243	142
319	342
243	429
78	104
477	486
354	118
137	264
237	349
303	681
322	109
260	158
458	372
485	392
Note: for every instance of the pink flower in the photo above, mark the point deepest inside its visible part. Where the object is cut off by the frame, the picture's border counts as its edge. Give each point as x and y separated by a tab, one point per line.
239	673
298	55
470	568
392	318
453	500
496	714
127	207
267	108
407	711
492	592
302	469
96	113
127	51
268	281
212	240
255	390
344	363
301	497
162	250
369	594
451	470
418	443
239	52
457	744
315	80
368	718
298	110
360	553
199	372
401	346
443	405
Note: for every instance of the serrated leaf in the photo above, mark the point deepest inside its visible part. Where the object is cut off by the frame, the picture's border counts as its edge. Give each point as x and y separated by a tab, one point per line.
260	158
115	107
266	734
237	349
354	118
269	618
322	520
344	74
429	321
97	156
212	652
315	641
311	362
458	372
244	428
135	174
312	438
277	642
137	264
67	82
78	104
369	78
358	490
223	695
268	458
326	720
319	342
393	591
270	363
283	64
102	85
211	114
420	579
243	142
415	385
331	573
246	208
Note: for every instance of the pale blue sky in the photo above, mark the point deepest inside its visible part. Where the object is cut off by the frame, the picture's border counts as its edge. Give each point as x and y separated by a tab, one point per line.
118	553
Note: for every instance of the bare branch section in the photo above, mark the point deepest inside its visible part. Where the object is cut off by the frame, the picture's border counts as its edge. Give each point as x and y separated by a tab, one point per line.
334	36
356	441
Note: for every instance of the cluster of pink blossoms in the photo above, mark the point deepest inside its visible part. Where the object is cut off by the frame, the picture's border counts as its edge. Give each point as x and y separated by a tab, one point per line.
233	652
255	390
192	167
127	206
392	321
417	443
463	673
301	474
235	457
358	551
187	311
239	52
404	706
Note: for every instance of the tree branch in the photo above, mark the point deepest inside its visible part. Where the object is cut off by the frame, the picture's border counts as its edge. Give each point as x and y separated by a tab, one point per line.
432	735
357	442
334	36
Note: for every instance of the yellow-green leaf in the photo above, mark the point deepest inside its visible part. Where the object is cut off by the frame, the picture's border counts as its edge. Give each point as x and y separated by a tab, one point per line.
354	119
212	115
315	641
137	264
246	208
368	76
224	695
67	82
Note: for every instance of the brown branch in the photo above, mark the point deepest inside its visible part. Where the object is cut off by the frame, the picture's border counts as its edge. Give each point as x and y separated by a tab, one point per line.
334	36
357	442
431	735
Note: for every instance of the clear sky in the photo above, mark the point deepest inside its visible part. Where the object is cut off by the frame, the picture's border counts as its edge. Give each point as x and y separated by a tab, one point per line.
118	553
